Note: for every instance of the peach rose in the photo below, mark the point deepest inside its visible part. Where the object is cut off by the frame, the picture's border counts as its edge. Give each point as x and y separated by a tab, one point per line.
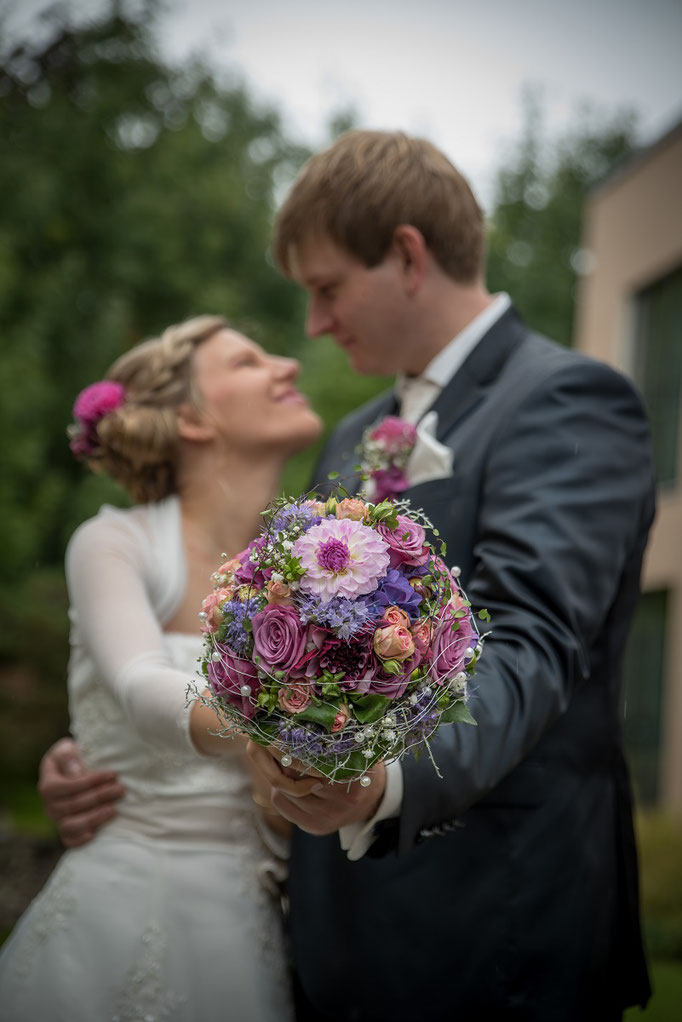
294	698
279	593
396	616
351	507
393	642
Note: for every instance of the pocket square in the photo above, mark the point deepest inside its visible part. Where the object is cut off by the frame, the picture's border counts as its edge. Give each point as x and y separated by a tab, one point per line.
429	459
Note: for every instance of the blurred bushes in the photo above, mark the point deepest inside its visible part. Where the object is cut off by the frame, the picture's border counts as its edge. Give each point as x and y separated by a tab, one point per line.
660	846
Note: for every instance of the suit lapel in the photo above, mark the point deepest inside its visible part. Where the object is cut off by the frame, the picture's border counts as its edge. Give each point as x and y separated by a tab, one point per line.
468	386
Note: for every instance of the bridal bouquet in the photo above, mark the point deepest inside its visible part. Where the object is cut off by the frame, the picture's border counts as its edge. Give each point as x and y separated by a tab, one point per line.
339	637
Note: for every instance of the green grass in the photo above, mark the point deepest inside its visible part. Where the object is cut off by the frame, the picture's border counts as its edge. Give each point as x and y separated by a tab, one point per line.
666	1002
23	805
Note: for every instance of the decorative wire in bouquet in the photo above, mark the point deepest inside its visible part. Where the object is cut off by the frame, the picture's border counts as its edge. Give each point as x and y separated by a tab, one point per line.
339	637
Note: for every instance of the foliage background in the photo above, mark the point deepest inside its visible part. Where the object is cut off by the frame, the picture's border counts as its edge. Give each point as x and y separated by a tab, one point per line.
134	194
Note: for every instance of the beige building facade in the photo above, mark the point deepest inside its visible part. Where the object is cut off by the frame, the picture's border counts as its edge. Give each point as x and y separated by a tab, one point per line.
630	315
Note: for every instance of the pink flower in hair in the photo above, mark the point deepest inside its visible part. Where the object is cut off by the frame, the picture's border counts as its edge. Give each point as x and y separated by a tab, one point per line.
98	400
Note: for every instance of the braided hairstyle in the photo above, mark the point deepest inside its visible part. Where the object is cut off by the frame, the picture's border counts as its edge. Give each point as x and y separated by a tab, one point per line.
138	441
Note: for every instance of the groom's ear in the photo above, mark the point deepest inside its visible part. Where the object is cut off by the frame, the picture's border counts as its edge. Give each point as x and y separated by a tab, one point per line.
409	248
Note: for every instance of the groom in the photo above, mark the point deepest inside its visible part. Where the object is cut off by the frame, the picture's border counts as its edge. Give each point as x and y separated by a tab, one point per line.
508	888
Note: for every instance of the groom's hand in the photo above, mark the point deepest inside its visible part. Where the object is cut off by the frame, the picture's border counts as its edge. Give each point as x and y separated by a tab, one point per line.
78	800
311	801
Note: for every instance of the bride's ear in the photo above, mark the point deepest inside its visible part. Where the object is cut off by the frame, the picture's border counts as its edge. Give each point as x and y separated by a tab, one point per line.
193	426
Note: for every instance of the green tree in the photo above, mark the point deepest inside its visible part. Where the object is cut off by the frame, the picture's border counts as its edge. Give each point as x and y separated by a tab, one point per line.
534	228
134	194
146	195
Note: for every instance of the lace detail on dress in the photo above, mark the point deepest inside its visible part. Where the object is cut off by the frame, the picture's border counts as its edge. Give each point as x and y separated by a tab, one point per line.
93	716
143	996
50	912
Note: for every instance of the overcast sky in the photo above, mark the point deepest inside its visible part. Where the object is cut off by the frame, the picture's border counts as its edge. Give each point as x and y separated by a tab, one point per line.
451	70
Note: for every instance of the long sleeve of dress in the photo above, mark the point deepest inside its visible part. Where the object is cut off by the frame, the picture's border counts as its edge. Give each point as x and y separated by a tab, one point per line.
115	624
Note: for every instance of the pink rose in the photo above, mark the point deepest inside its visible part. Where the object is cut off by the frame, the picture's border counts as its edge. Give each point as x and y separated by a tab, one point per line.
449	647
406	542
294	698
351	507
393	642
341	718
278	638
422	634
211	607
279	593
229	675
395	616
316	506
394	434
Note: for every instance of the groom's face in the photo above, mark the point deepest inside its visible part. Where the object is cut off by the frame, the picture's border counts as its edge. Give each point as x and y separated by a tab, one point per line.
361	307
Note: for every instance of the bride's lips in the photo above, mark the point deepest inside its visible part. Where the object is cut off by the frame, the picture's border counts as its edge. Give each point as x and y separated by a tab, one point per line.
293	397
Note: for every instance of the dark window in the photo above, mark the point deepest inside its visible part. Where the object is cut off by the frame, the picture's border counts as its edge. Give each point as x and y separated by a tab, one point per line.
658	366
642	694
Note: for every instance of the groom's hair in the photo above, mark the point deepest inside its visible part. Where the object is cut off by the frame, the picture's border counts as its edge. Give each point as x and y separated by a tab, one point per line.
368	183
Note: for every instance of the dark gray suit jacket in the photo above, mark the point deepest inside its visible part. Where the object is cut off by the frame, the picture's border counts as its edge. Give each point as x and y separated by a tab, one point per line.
509	888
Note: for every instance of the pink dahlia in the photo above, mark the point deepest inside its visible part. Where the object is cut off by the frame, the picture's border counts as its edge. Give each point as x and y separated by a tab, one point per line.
341	557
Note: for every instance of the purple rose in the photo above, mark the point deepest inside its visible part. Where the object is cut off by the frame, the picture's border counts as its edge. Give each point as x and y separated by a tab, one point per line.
248	572
227	677
388	482
278	637
406	543
450	646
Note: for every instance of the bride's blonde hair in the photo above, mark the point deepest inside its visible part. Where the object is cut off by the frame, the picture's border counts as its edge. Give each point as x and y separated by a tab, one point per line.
137	442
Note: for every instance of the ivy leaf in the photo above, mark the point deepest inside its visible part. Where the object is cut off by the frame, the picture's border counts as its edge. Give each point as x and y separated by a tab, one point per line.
332	475
369	708
323	713
484	615
457	714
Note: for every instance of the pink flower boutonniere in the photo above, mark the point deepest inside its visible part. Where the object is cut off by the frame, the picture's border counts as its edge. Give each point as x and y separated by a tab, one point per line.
384	452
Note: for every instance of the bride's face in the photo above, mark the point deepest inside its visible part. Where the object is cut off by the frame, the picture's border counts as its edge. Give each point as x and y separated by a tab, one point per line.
249	397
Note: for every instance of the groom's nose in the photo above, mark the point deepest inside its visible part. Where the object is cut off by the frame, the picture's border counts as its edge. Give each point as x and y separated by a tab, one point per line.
318	320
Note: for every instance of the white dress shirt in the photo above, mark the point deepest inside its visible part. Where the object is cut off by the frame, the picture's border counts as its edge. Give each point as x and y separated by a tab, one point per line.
416	395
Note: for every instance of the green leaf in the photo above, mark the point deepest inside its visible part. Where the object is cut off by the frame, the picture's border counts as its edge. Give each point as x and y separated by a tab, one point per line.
323	713
332	475
392	666
369	708
484	615
457	714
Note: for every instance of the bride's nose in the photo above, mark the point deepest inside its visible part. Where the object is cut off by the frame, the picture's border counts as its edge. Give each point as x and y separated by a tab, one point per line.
286	368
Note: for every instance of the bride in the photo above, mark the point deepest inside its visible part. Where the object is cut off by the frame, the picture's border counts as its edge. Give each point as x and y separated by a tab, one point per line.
163	916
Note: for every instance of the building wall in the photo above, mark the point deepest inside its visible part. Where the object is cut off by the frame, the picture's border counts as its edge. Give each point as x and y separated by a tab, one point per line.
633	232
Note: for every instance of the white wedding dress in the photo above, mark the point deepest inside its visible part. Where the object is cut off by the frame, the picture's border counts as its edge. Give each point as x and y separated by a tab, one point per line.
164	916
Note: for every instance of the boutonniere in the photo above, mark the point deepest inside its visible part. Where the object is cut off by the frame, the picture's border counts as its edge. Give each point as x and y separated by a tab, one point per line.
383	452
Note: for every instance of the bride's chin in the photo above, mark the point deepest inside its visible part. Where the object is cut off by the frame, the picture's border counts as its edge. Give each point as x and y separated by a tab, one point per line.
304	434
